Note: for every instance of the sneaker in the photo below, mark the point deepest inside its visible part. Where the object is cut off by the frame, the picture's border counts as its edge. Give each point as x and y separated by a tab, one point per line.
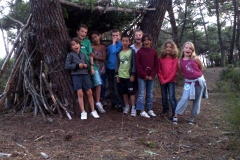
144	114
191	121
133	112
95	114
100	107
126	109
83	115
175	120
151	113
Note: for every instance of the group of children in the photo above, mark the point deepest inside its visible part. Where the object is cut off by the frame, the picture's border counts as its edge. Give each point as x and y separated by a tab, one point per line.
130	71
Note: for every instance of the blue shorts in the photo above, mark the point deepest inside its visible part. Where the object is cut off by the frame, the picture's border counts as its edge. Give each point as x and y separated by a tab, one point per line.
96	79
81	82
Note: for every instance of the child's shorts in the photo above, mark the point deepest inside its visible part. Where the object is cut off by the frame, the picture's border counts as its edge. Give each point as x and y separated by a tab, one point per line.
126	87
81	82
96	79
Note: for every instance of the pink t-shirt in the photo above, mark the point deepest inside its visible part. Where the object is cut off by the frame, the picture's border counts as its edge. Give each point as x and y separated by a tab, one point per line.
190	69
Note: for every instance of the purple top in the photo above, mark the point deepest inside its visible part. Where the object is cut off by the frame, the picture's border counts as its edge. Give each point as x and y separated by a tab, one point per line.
190	69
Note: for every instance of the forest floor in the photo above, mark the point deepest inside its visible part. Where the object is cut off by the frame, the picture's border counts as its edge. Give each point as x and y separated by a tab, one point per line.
119	136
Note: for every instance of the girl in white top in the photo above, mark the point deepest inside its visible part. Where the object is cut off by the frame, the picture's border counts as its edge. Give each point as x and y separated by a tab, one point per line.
137	36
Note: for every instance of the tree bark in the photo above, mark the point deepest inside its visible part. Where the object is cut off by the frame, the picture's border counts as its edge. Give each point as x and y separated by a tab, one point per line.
52	41
222	61
230	57
173	23
152	21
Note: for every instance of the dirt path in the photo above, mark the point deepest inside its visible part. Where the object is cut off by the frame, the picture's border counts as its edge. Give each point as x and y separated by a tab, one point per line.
118	136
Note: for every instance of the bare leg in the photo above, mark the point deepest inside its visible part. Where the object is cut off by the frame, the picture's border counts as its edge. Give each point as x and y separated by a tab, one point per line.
90	99
125	98
97	93
80	99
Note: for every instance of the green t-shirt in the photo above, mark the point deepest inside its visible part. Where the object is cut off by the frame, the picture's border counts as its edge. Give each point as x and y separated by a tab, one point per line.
86	48
124	66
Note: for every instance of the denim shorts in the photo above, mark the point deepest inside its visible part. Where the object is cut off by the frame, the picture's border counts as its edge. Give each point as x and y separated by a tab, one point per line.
96	79
81	82
125	86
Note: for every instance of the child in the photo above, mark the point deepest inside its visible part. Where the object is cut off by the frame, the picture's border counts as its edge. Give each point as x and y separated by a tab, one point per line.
190	66
147	68
137	40
99	56
167	75
125	72
86	48
76	62
113	49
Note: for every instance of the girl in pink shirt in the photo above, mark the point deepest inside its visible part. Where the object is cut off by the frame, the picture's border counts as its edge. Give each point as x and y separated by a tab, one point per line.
167	74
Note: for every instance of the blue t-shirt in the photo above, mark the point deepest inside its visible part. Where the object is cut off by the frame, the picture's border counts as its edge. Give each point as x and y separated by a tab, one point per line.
113	49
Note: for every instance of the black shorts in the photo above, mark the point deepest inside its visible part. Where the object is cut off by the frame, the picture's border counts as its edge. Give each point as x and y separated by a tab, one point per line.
81	82
126	87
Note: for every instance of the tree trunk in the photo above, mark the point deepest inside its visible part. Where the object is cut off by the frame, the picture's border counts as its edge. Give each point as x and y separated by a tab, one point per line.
184	22
230	57
237	35
173	23
152	21
52	41
222	61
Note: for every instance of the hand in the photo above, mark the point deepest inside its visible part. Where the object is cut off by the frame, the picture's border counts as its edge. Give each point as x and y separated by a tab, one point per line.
80	65
132	79
114	40
150	78
85	65
146	78
92	72
118	79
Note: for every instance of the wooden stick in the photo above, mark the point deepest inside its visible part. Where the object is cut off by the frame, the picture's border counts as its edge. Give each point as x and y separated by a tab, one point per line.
51	93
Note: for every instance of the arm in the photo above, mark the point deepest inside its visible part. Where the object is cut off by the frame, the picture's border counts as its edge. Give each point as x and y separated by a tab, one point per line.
141	73
69	64
114	48
156	66
199	62
179	67
159	74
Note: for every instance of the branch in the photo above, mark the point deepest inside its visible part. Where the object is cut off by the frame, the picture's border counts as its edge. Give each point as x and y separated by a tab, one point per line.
5	45
15	20
105	9
14	45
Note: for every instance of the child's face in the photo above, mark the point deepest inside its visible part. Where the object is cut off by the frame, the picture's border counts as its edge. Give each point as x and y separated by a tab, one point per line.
82	33
138	37
95	38
168	48
75	46
116	36
125	42
187	51
147	43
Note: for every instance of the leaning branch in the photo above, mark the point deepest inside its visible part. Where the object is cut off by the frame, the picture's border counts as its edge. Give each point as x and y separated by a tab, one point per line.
14	45
105	9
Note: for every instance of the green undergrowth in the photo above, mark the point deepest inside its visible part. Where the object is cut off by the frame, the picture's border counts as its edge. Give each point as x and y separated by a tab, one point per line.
230	85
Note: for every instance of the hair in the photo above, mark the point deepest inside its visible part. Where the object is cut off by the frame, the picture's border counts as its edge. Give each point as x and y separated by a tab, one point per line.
115	30
82	26
93	32
137	30
75	39
125	36
174	52
191	47
146	35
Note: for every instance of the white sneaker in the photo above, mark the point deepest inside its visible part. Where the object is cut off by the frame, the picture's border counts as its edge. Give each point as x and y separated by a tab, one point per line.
151	113
100	107
133	112
144	114
94	114
126	109
83	115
